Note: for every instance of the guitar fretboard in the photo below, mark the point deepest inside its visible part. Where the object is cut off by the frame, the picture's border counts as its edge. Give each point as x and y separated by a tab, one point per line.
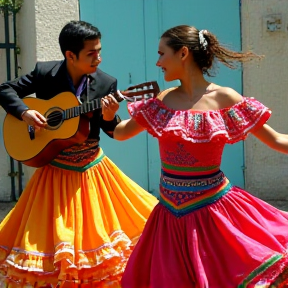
151	90
82	109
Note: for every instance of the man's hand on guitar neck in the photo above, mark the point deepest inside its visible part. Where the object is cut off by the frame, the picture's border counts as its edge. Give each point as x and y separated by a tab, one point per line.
34	118
109	107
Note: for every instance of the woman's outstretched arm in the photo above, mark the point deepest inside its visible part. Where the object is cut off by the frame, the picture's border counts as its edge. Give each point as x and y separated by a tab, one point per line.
272	138
127	129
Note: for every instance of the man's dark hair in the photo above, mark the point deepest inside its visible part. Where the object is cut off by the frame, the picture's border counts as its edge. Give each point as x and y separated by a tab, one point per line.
74	34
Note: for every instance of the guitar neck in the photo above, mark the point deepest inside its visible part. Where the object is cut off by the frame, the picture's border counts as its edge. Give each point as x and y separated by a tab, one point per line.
84	108
142	91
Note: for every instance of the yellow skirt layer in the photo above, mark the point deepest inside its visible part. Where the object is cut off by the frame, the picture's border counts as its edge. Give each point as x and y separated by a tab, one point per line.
73	228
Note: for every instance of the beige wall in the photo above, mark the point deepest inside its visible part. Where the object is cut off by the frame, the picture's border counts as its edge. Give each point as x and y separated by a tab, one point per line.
267	170
51	16
38	25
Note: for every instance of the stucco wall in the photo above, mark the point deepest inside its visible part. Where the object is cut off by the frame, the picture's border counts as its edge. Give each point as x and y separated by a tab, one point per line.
267	170
51	16
38	25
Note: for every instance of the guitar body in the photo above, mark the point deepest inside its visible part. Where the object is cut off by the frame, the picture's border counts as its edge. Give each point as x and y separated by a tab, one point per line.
65	126
48	143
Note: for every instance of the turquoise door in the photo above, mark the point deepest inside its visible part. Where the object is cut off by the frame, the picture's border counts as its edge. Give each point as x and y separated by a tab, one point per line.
131	30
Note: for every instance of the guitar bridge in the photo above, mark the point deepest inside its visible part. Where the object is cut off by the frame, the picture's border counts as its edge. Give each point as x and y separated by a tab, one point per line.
31	132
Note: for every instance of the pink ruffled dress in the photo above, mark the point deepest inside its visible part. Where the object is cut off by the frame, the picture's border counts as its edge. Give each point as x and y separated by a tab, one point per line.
205	232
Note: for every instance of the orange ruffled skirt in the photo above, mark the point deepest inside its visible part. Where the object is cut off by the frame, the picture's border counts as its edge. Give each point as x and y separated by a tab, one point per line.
74	225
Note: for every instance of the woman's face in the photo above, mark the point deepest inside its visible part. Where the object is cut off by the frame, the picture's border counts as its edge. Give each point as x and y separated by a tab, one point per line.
170	61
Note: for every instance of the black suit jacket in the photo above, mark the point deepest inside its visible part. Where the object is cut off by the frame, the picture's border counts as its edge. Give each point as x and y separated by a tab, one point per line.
51	78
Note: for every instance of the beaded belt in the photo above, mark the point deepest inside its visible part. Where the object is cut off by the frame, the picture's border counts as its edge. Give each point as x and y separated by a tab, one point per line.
79	157
182	194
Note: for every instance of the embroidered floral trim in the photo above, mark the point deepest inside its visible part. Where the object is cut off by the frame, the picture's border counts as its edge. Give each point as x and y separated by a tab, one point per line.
267	273
281	281
180	156
233	123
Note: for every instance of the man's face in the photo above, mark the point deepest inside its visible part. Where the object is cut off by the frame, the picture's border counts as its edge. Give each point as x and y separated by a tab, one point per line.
89	57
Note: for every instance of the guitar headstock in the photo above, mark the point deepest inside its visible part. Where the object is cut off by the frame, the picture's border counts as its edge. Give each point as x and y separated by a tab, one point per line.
141	91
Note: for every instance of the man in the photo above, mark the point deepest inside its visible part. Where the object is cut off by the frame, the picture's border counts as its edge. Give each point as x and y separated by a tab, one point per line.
78	218
80	44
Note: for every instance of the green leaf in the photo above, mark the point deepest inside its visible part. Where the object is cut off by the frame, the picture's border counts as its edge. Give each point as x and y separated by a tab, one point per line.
10	6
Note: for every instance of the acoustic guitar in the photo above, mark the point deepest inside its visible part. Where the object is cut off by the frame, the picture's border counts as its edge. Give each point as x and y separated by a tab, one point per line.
67	124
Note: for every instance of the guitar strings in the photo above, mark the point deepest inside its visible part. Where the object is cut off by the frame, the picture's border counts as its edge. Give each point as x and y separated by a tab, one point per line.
58	117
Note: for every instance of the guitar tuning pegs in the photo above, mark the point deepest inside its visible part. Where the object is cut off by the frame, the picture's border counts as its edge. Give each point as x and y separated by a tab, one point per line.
146	97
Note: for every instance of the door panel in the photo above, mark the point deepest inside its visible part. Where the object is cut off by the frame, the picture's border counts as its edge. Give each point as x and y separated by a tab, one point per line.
123	53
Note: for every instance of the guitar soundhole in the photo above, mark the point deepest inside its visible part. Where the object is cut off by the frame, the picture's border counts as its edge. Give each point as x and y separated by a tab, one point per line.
54	119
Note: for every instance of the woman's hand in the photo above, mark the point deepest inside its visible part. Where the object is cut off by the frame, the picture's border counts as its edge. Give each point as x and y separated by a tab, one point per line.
109	107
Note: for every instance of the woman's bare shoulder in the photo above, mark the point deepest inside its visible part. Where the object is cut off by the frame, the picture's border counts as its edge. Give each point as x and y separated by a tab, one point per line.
165	92
225	96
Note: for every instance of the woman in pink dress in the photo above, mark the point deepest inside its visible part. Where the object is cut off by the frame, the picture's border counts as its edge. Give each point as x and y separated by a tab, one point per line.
205	232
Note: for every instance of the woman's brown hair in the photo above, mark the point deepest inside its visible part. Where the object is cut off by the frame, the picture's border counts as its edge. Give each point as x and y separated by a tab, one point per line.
205	47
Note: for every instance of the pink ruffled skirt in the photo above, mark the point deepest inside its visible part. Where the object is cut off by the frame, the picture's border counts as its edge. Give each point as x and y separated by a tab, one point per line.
234	240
